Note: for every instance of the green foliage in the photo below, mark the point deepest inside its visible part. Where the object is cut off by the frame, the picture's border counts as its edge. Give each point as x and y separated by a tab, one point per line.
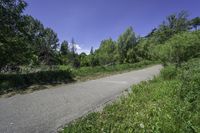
169	72
93	60
64	50
189	96
84	60
180	48
125	42
45	74
159	105
195	22
11	35
33	44
106	52
47	49
99	70
190	90
174	24
10	82
149	108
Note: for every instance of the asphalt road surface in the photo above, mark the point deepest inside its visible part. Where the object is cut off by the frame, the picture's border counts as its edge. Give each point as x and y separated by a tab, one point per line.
45	111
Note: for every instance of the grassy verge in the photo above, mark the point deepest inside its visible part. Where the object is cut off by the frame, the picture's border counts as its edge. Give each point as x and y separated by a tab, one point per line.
169	103
86	73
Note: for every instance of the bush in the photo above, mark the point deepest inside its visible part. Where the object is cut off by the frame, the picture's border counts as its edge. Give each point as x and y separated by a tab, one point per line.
169	72
189	96
180	48
190	76
88	71
19	81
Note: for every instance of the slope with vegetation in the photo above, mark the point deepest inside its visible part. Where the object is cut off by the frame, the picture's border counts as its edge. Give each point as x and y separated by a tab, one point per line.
168	103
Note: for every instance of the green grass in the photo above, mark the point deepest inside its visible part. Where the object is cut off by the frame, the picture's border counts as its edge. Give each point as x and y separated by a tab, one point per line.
85	73
167	104
149	108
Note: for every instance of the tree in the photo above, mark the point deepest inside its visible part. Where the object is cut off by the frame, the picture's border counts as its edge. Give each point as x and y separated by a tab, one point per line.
73	47
93	60
74	56
84	60
151	33
13	42
64	53
33	30
195	22
180	48
48	48
106	52
91	51
174	24
64	48
126	41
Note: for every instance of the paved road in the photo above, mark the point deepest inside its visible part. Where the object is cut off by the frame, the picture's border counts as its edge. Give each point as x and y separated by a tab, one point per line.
46	110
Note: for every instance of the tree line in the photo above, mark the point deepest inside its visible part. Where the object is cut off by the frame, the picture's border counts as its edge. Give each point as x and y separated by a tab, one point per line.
25	41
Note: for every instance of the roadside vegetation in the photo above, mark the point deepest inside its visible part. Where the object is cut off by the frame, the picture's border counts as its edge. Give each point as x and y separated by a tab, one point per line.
31	54
168	103
85	73
30	79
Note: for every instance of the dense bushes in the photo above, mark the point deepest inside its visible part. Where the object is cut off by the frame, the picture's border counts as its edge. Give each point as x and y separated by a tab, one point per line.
169	72
180	48
188	105
89	71
18	81
190	90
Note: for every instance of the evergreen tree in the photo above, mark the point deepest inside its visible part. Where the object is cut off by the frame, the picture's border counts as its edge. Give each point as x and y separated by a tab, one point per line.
126	41
64	48
91	51
195	23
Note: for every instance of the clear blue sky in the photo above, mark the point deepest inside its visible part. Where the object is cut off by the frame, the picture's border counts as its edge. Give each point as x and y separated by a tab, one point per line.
90	21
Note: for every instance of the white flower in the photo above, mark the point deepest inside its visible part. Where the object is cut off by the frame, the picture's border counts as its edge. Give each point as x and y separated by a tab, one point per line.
141	125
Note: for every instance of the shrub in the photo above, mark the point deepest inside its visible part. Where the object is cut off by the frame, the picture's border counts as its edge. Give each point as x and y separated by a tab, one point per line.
169	72
19	81
88	71
180	48
189	96
190	76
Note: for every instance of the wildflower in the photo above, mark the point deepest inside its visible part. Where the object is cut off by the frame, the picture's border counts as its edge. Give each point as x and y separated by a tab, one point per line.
141	125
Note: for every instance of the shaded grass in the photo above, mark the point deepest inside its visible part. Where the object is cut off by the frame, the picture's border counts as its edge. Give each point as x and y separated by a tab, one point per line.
21	81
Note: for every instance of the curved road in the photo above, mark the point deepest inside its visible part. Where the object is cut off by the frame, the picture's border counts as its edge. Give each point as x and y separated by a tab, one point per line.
45	111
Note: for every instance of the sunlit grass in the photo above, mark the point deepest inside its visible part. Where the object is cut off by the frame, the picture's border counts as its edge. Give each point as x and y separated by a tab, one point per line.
149	108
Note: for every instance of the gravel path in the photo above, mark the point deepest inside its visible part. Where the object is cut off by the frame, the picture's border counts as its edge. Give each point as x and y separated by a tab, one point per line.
45	111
